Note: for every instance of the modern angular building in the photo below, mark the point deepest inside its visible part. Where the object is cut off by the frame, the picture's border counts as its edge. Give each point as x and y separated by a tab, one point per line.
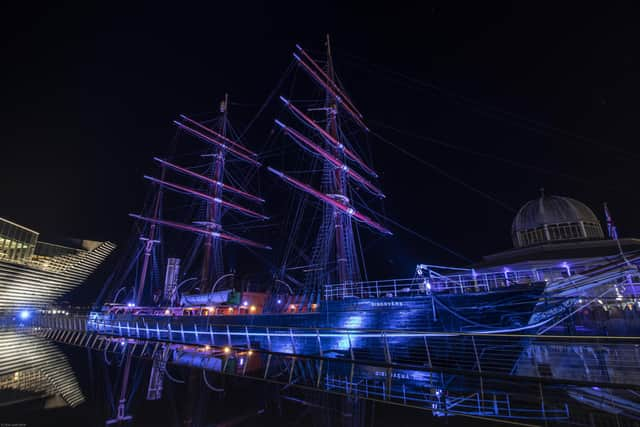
34	274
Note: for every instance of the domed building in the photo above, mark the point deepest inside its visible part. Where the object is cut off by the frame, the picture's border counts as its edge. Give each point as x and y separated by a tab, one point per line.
554	219
553	231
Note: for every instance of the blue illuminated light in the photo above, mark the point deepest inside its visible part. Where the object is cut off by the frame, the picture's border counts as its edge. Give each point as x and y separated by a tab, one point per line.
245	303
279	301
24	315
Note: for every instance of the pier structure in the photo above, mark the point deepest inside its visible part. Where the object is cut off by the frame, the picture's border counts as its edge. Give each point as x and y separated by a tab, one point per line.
535	385
586	360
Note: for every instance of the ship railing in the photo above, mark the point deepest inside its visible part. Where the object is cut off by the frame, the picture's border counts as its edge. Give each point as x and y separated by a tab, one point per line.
374	289
422	385
446	277
574	358
491	279
432	281
396	288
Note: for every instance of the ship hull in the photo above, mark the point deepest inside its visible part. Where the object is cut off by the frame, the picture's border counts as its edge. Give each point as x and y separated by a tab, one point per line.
337	328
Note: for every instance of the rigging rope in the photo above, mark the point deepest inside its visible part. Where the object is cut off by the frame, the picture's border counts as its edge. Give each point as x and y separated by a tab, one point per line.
290	67
444	173
511	162
494	112
421	236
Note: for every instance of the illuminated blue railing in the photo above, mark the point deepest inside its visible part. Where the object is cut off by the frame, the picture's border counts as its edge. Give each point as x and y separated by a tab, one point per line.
434	279
593	361
437	392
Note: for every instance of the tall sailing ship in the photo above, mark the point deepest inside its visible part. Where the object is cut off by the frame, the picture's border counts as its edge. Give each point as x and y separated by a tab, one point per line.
327	291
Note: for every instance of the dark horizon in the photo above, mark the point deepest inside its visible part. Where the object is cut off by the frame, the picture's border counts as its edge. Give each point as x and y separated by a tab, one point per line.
505	98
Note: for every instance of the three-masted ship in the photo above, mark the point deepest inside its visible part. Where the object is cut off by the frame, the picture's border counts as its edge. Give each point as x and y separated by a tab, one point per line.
331	292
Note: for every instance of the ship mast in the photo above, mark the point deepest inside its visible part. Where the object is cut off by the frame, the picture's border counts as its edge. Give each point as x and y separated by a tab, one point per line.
212	264
342	223
340	167
210	228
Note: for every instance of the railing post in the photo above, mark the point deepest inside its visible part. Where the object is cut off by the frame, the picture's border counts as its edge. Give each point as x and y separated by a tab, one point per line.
542	401
377	290
293	344
475	351
319	373
246	331
293	365
426	346
353	366
266	368
387	353
269	341
319	342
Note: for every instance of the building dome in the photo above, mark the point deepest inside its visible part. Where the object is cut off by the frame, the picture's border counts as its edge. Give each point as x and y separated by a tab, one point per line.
554	219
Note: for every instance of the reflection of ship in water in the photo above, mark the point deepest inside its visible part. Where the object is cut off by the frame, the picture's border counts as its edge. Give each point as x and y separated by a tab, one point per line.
438	393
608	364
443	395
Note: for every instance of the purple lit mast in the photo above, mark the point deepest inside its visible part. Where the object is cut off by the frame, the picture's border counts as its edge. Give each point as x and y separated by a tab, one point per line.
340	164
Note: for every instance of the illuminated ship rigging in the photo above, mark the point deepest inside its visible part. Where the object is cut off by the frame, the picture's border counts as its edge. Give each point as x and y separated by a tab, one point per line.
327	287
324	291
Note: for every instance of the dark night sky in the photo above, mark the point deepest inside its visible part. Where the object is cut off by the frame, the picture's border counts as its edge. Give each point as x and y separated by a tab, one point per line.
89	93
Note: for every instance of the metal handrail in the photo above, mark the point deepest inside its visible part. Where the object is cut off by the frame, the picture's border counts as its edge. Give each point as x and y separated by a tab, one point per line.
477	353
